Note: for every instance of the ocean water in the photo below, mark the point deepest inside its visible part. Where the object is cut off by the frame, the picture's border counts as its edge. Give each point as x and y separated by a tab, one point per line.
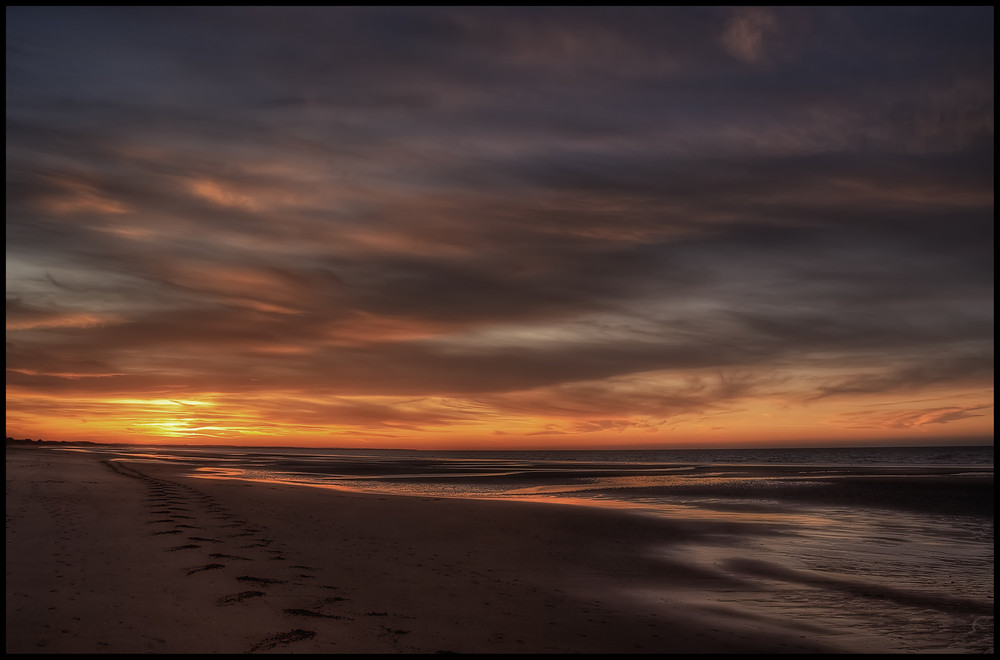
889	545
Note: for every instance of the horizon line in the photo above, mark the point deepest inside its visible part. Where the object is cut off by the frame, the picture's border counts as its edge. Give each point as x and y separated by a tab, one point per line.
10	441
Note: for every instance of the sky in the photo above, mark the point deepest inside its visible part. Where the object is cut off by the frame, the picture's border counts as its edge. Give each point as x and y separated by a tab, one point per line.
500	227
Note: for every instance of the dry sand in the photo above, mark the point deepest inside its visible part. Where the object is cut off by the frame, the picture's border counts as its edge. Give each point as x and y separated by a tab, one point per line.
134	557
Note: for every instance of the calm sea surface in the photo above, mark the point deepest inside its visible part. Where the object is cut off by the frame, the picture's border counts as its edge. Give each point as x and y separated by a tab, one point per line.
892	544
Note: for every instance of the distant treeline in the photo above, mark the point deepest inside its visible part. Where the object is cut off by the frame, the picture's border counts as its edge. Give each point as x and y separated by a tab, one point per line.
29	441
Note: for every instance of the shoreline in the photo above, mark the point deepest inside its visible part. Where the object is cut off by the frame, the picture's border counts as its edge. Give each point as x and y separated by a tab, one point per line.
129	556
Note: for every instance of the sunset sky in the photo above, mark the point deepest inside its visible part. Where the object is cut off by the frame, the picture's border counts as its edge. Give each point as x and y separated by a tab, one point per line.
503	227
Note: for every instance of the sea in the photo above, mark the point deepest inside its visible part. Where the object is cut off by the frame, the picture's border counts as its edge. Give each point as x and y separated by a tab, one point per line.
892	546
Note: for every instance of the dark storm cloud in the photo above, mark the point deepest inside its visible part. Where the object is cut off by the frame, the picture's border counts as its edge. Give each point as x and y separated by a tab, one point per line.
350	200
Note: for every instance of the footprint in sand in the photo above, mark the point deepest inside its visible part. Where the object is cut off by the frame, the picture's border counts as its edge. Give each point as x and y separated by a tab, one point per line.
240	597
221	555
260	580
295	611
206	567
279	639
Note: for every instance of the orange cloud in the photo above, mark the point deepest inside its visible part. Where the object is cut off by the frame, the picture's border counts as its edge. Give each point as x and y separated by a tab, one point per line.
62	320
216	193
912	418
78	196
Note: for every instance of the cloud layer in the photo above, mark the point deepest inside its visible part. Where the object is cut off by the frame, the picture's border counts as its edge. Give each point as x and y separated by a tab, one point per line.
407	225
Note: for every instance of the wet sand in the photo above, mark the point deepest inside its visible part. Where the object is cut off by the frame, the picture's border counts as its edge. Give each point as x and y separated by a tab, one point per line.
136	557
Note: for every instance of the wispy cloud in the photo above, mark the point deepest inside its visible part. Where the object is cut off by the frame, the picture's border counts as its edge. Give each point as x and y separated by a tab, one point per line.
746	32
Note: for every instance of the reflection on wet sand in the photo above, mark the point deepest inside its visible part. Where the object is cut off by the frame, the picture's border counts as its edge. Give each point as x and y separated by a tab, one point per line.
899	557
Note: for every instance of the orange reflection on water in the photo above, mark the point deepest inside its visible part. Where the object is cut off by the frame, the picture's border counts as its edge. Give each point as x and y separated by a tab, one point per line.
708	509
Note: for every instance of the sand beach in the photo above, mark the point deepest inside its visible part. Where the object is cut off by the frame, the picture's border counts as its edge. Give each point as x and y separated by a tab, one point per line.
127	556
